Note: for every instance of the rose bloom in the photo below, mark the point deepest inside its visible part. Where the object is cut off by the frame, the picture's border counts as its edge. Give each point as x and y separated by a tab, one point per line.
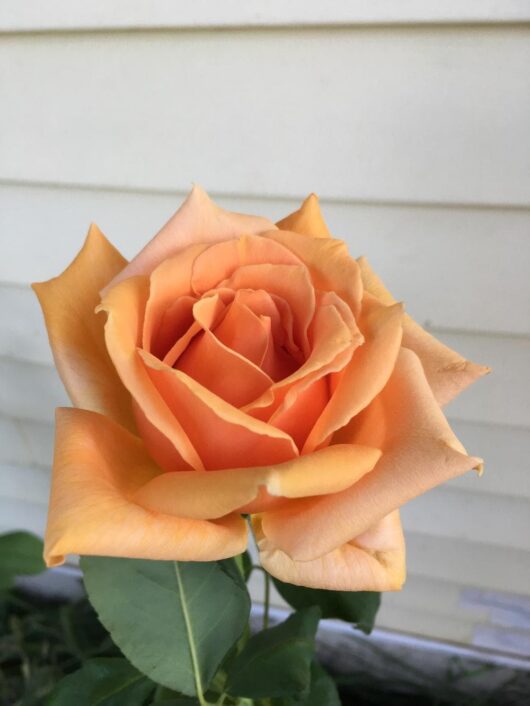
239	367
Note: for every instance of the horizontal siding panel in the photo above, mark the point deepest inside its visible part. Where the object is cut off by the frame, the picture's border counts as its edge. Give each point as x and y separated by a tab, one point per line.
505	450
124	110
473	563
417	251
479	517
32	390
503	397
100	14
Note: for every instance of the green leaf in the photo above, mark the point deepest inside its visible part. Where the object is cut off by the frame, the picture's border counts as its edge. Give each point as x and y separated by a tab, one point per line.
357	607
277	661
103	682
175	621
323	691
20	553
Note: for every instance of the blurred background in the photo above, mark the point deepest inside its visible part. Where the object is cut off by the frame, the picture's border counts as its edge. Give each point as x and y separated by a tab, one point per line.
409	119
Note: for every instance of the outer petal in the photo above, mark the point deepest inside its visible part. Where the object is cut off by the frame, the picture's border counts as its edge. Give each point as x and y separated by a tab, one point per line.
373	561
447	372
76	332
213	494
307	220
419	452
98	466
198	220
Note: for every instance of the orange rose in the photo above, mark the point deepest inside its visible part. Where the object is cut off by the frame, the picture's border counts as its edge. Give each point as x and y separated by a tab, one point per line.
244	368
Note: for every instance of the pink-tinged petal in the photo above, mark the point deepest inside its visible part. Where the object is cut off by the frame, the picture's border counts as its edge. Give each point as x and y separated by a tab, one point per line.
220	261
374	561
222	371
169	282
419	452
224	436
198	220
125	306
329	262
367	372
448	372
76	331
307	220
214	494
98	466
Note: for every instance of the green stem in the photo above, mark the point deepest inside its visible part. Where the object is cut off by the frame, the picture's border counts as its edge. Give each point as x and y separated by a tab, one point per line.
191	639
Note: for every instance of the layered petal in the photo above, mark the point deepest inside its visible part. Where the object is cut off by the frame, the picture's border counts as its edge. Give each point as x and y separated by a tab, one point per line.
419	452
213	494
76	332
125	307
329	262
373	561
448	372
367	372
307	220
98	467
198	220
224	436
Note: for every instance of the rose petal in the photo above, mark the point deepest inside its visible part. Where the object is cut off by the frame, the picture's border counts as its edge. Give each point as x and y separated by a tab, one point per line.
419	452
329	262
224	436
198	220
125	305
307	220
213	494
448	372
220	261
244	332
76	332
289	282
222	371
169	282
367	372
374	561
98	465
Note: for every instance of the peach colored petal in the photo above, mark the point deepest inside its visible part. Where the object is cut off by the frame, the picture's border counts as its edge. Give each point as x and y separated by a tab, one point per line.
298	415
244	332
222	371
76	332
329	262
206	313
170	281
307	220
448	372
367	372
332	344
98	466
224	436
419	452
125	305
289	282
220	261
174	323
214	494
373	561
198	220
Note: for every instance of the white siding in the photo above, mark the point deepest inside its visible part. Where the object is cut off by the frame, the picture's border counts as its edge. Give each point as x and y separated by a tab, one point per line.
411	124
